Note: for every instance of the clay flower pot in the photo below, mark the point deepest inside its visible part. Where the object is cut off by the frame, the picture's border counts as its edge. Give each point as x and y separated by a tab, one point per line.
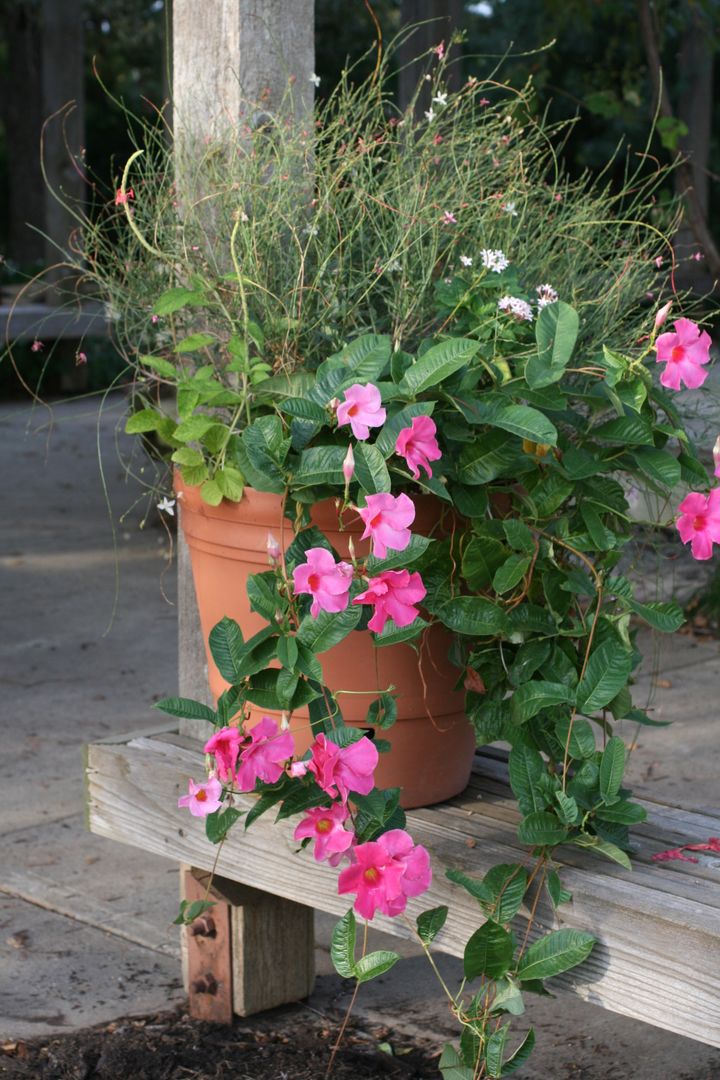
432	742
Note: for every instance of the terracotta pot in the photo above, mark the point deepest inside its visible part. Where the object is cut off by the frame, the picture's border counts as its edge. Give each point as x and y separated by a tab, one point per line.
432	742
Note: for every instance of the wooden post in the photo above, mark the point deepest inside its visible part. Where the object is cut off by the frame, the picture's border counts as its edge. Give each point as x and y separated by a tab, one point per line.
226	53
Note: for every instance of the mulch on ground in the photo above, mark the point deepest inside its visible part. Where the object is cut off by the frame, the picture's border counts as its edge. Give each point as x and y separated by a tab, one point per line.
285	1044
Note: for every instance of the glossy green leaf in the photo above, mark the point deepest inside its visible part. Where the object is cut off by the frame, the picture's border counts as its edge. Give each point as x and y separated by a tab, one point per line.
430	923
218	825
489	952
227	648
194	342
511	573
371	472
540	829
375	963
612	767
557	951
142	421
607	672
556	332
474	615
321	632
437	364
535	695
342	946
186	709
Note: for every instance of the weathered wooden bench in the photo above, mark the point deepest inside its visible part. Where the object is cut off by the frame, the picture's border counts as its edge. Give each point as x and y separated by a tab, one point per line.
658	927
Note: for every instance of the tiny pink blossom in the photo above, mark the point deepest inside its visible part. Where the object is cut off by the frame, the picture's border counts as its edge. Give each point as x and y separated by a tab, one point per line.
684	353
449	218
699	522
393	594
273	548
387	518
340	770
225	746
484	101
662	314
264	757
439	50
349	465
418	445
326	826
385	872
202	799
154	319
716	456
697	256
325	580
361	409
37	346
122	197
659	262
80	358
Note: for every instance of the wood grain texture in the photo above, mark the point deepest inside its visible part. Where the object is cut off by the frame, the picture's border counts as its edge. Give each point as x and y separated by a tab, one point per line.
658	927
207	951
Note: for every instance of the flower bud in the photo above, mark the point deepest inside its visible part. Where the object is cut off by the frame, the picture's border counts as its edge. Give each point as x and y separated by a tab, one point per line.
349	465
716	456
273	548
662	314
298	768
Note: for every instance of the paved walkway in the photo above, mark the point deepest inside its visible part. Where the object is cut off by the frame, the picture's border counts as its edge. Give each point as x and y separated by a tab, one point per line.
85	924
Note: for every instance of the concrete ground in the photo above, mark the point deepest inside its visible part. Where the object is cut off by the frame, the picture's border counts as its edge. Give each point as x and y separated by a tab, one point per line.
85	924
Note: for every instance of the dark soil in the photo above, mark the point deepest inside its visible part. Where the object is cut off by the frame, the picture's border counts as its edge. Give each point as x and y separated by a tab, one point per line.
285	1044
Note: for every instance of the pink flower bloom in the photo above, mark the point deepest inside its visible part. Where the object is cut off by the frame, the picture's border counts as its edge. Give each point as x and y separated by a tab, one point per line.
298	769
225	746
325	580
484	101
153	319
273	548
387	518
418	445
265	756
325	825
361	409
393	594
716	456
385	872
662	314
684	353
449	218
349	465
659	262
37	346
80	358
122	197
341	770
699	522
697	256
439	50
202	799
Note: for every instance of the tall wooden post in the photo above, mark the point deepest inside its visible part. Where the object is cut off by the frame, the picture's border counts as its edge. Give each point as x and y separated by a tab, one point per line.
227	53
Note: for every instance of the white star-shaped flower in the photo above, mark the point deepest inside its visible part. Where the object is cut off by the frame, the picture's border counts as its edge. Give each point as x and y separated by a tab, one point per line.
430	116
509	208
167	506
466	260
440	99
315	80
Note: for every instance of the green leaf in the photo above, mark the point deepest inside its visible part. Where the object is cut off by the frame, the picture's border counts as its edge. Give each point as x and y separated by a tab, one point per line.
186	709
430	923
174	299
661	615
506	884
612	767
382	712
418	546
451	1065
210	493
371	471
481	558
494	455
521	1055
531	697
367	357
567	809
227	648
304	409
511	573
541	828
472	615
603	847
494	1050
342	947
659	466
143	420
161	365
520	420
218	824
525	769
607	672
193	429
437	364
476	888
396	635
194	475
556	332
601	537
627	430
508	998
190	911
582	738
623	812
320	465
557	951
489	952
194	342
519	536
230	482
374	964
558	895
188	457
322	632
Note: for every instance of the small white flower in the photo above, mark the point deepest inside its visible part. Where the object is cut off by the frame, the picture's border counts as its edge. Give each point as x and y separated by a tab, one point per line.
520	309
166	506
497	260
546	295
315	79
429	116
393	267
509	208
466	260
440	99
311	230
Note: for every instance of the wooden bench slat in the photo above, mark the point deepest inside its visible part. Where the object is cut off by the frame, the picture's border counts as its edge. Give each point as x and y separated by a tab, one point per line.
658	927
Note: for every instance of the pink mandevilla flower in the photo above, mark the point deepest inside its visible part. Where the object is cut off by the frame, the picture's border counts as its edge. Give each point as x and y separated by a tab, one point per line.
385	872
387	518
265	756
361	409
699	522
339	770
225	746
393	594
202	799
325	580
684	353
418	445
326	826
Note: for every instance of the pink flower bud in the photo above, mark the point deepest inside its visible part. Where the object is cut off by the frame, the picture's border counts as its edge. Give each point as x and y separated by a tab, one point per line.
349	465
662	314
716	456
273	548
298	768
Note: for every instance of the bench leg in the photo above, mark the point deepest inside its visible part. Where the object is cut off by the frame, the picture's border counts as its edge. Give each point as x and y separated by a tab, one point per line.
262	953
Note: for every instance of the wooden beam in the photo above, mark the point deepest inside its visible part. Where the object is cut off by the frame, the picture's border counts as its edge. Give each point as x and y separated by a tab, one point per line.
658	926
